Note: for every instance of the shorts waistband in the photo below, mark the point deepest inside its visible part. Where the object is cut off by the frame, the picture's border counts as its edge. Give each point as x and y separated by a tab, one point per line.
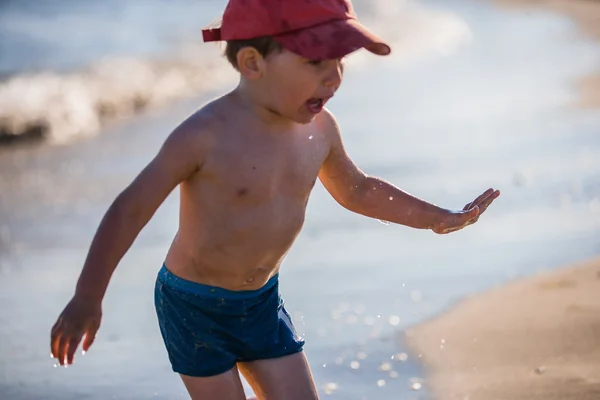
168	278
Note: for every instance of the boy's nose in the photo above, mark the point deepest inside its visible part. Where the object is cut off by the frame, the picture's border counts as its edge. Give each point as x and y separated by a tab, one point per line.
333	78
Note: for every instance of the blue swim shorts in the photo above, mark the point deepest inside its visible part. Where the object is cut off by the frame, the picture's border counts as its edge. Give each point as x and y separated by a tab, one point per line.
208	329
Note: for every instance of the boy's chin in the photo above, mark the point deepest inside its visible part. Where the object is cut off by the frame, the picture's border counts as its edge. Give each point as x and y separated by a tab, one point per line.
305	118
306	121
298	117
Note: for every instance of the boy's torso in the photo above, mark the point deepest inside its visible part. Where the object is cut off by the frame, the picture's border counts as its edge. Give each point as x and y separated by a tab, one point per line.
241	212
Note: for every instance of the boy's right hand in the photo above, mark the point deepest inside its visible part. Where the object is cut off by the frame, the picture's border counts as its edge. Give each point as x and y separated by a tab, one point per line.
80	317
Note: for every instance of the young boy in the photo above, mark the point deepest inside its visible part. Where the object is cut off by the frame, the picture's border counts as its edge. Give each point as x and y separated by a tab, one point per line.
246	164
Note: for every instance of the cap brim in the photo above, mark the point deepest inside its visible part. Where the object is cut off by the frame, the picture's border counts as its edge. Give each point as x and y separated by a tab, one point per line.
331	40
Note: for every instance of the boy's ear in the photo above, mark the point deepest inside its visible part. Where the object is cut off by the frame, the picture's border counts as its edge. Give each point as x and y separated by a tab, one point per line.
250	63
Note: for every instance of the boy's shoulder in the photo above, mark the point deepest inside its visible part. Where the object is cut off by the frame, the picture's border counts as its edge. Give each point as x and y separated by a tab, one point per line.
328	123
209	116
203	124
328	117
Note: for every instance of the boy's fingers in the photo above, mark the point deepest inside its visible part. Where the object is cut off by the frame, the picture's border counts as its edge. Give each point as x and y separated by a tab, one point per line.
54	345
492	196
55	335
479	199
489	200
62	348
73	343
90	336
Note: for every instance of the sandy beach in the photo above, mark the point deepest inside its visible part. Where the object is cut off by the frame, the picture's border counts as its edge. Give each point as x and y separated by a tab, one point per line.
586	14
537	338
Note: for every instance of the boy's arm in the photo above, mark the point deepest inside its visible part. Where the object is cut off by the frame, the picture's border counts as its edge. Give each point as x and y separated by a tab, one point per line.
179	157
376	198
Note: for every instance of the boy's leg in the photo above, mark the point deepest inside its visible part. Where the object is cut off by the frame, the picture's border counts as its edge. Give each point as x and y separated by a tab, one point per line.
191	324
284	378
225	386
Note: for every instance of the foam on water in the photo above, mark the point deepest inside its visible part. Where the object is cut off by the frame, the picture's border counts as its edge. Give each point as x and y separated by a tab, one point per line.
415	31
64	105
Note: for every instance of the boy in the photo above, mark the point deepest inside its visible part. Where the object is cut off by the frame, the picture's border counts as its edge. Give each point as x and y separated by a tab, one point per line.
246	164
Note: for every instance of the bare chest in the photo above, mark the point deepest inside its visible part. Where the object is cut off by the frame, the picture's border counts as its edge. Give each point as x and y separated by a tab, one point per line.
256	170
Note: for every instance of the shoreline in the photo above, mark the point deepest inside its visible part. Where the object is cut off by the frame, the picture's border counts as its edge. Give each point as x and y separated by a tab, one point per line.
585	14
532	338
481	347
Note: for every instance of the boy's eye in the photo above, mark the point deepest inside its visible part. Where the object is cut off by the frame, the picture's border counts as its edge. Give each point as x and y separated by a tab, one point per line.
315	62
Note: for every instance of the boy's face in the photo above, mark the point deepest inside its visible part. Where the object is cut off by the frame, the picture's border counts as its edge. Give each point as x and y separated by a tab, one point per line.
297	88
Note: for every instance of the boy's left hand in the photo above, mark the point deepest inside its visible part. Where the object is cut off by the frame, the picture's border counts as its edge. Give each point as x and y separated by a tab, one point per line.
454	221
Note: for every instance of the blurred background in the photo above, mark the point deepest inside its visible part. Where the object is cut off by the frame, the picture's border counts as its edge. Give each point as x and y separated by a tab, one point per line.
476	94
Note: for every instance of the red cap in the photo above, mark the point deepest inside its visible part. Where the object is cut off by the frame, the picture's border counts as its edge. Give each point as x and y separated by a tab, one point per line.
314	29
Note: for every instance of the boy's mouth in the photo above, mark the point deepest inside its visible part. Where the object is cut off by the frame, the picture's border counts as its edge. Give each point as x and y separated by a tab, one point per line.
315	105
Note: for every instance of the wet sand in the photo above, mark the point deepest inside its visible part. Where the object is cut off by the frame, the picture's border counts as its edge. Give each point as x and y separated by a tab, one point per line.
537	338
586	14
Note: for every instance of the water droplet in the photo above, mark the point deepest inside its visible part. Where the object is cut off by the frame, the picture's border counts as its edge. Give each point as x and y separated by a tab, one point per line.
378	315
401	357
394	320
391	198
355	365
416	386
393	374
310	137
386	366
416	295
384	222
51	356
325	365
362	355
330	387
381	383
540	370
55	365
83	352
